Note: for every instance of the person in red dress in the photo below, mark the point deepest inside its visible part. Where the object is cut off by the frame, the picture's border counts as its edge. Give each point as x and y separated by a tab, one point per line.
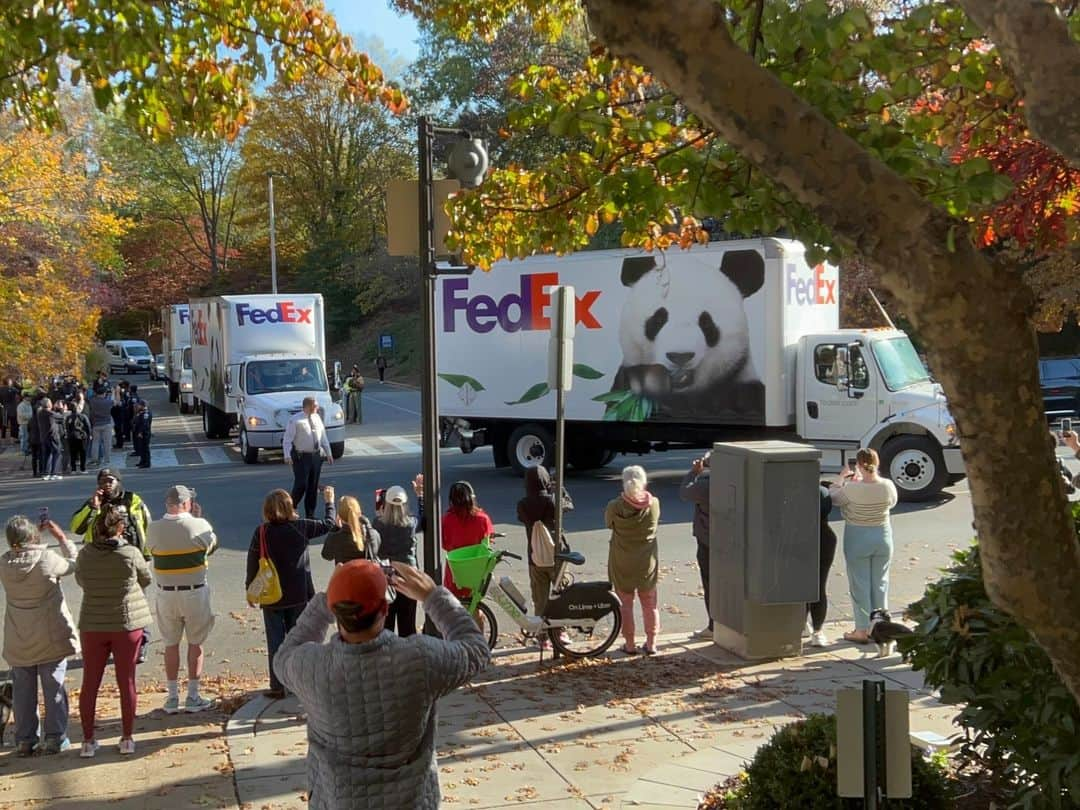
464	524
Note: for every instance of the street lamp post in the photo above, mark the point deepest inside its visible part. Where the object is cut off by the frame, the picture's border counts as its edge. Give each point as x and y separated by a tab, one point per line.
273	245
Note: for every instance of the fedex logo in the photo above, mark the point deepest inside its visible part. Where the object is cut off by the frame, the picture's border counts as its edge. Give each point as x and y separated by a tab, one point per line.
810	291
199	331
284	312
183	315
526	310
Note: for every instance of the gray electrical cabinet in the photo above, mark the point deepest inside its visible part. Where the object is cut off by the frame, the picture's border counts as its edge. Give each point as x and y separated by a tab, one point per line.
763	545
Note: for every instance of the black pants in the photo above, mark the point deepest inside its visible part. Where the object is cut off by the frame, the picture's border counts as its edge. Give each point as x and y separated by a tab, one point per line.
306	469
141	445
118	429
827	552
37	460
77	451
402	612
382	374
703	567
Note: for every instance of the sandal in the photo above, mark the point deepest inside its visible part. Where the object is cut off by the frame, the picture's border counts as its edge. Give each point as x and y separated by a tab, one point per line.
857	637
629	650
648	650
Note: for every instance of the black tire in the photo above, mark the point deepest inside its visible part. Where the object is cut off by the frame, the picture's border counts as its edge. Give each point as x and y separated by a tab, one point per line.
215	424
583	644
185	408
337	450
206	424
587	456
250	454
915	465
490	625
530	445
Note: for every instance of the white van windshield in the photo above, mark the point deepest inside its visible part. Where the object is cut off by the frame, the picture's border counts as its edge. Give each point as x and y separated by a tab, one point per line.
136	350
899	363
274	376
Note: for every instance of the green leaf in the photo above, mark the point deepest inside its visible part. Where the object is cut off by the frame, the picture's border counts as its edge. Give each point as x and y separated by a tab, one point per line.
458	380
534	393
587	372
613	396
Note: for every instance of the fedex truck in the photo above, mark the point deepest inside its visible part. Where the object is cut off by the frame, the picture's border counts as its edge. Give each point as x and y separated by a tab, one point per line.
176	346
725	342
255	358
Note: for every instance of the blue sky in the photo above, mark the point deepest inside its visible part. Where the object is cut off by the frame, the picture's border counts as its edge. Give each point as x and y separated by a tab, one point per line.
374	18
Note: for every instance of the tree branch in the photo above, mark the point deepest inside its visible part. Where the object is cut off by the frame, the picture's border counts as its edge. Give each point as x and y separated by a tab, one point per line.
1034	43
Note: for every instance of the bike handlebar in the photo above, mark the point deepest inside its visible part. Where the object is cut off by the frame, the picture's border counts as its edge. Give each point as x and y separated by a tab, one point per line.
510	554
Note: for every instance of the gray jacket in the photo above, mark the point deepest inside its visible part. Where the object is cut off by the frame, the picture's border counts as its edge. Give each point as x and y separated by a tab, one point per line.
371	707
101	410
695	489
37	624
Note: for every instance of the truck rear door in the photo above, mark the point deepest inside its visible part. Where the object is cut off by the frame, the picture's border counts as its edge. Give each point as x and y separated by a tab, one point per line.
829	413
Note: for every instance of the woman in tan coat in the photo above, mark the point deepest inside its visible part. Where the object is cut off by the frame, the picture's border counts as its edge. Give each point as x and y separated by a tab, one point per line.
632	560
114	612
39	634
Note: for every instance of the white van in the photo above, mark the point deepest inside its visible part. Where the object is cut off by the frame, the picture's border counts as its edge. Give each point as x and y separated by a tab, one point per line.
128	356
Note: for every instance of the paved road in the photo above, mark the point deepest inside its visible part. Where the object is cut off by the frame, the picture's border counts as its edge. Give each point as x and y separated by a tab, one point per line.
385	451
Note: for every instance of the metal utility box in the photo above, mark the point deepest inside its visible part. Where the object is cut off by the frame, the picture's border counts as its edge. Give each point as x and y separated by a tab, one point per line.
763	545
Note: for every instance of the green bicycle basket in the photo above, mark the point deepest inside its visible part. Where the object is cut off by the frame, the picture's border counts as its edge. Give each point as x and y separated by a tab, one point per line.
471	565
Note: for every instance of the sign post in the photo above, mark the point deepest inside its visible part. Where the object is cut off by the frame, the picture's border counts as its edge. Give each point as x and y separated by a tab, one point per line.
561	378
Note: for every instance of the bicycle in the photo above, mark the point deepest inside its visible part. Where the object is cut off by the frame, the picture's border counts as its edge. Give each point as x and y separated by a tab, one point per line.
582	619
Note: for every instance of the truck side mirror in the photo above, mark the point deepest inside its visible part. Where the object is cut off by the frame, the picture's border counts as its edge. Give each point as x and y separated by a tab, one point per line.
335	383
840	368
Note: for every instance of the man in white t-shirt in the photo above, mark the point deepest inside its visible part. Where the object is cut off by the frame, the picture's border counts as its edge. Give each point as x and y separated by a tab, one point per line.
179	545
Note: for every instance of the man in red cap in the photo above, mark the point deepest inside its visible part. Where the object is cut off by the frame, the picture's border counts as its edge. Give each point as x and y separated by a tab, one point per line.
371	695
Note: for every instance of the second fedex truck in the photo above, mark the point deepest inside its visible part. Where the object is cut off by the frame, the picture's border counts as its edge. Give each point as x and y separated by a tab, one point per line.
176	346
255	358
724	342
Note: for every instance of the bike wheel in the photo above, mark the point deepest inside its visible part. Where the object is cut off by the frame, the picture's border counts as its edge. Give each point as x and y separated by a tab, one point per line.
488	626
579	642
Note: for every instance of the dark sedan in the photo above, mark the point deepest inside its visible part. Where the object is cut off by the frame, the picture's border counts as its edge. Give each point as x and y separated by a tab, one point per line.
1060	381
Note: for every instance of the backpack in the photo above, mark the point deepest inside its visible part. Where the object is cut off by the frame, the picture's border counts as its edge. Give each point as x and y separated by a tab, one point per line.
77	427
541	546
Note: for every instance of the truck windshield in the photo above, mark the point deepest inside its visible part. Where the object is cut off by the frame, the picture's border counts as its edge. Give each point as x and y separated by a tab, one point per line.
273	376
187	358
899	363
138	351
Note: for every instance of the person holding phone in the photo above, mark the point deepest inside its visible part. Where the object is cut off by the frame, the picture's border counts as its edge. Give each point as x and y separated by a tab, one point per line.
695	489
287	540
39	633
866	499
398	532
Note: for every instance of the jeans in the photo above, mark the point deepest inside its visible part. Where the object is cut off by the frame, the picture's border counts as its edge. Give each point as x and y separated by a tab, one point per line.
100	447
868	552
24	441
96	646
703	568
50	460
278	623
25	689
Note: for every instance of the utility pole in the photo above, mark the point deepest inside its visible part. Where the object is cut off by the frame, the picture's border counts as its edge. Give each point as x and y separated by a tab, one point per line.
273	245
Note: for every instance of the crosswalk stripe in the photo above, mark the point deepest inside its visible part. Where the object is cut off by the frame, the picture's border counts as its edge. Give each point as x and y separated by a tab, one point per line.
403	444
356	447
163	458
214	455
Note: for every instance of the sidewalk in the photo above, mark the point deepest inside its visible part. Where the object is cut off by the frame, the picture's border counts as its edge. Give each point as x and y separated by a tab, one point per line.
620	731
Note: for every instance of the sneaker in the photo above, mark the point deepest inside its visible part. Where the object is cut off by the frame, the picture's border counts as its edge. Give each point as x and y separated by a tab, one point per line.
172	705
808	629
89	749
25	749
197	704
704	632
54	746
58	478
818	639
127	747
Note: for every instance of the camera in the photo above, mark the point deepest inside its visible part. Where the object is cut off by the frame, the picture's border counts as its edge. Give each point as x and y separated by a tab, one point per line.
852	464
388	570
1066	425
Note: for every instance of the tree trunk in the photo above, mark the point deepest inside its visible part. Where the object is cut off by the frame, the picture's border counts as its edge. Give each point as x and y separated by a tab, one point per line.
973	313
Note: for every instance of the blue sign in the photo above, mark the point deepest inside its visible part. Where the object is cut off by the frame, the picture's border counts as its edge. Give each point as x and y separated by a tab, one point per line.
386	342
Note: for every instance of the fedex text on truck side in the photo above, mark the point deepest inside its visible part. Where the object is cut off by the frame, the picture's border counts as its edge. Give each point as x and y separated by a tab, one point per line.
528	309
283	312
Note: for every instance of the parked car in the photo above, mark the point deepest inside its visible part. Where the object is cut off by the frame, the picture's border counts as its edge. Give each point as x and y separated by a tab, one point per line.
1060	381
157	368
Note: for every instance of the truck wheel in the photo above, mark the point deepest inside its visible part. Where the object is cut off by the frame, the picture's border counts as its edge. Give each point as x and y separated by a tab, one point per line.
249	453
915	465
529	446
337	450
184	407
215	424
206	424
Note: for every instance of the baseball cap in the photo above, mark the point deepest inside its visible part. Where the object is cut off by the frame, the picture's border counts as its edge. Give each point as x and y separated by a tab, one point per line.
179	494
397	495
359	582
108	473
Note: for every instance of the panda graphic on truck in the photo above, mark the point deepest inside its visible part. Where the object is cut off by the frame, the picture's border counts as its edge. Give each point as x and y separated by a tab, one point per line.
727	341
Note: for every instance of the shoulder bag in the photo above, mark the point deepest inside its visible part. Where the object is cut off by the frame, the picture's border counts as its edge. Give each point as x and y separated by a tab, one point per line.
265	589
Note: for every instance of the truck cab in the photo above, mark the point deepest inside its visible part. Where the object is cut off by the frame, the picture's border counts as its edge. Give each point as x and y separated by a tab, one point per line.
869	388
269	390
179	364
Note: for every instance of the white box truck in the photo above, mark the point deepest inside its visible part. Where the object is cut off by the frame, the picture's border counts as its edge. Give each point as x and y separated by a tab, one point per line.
724	342
254	360
176	346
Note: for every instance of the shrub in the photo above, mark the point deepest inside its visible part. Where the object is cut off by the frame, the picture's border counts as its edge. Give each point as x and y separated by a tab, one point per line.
1020	721
797	768
97	359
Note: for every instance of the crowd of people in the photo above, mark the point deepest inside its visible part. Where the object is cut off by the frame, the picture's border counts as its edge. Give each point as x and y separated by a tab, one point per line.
66	427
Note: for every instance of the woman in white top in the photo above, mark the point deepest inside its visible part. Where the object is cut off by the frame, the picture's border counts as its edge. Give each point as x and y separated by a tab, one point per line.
865	500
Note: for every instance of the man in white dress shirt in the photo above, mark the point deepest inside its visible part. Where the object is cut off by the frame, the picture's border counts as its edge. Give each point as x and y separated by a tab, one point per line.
305	446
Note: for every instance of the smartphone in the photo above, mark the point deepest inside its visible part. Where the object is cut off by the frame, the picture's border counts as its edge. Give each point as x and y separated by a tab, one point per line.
43	516
380	499
1066	425
388	570
852	464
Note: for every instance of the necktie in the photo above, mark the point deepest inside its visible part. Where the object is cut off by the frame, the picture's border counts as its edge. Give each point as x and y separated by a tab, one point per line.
314	435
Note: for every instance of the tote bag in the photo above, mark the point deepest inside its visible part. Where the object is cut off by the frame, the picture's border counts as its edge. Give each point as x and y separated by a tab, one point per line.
542	546
265	589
